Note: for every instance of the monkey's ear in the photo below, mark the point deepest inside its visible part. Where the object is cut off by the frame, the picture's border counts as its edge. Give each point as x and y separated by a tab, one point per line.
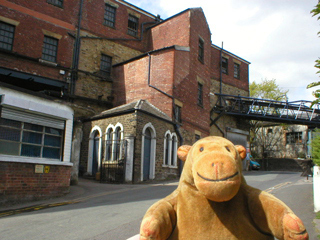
242	151
183	152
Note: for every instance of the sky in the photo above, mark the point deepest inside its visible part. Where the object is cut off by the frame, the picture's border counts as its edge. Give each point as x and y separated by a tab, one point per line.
278	37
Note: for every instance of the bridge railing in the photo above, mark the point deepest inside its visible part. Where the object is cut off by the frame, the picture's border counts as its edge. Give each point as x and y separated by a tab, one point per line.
267	109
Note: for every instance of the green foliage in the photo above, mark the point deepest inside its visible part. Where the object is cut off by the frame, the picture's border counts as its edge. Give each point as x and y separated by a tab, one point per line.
315	145
316	93
318	215
267	89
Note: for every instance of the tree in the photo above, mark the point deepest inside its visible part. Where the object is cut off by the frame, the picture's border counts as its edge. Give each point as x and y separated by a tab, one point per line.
315	147
264	140
316	93
267	89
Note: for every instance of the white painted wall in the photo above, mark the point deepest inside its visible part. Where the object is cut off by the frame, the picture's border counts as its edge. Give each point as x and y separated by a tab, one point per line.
316	188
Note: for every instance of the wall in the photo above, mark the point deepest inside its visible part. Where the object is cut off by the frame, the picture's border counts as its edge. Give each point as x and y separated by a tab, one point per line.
242	83
226	121
133	125
132	80
31	26
93	17
19	182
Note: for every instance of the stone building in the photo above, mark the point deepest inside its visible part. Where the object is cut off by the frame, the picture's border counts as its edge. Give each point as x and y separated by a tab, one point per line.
282	141
117	71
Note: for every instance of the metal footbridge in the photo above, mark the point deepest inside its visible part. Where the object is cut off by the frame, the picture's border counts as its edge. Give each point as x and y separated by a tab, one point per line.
295	112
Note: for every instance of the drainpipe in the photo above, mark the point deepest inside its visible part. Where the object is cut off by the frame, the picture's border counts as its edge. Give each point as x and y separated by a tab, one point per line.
76	53
176	125
221	69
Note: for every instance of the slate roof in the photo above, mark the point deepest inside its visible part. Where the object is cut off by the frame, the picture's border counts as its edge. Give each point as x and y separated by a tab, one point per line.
140	105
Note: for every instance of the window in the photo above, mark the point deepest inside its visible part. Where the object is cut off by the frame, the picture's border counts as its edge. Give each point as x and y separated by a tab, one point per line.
30	140
236	68
117	144
109	140
200	94
114	143
50	49
197	137
170	149
133	25
224	65
105	64
177	113
201	50
57	3
167	146
109	16
6	36
294	137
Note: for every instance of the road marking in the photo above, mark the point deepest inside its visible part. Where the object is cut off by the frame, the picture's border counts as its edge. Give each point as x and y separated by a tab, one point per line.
7	213
269	190
34	208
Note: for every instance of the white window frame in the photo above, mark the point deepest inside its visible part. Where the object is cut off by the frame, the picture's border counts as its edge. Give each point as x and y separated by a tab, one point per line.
172	149
31	105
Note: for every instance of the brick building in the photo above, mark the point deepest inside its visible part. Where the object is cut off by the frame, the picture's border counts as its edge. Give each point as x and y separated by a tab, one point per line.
120	73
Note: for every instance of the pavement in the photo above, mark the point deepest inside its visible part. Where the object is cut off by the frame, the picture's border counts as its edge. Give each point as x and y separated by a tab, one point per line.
87	189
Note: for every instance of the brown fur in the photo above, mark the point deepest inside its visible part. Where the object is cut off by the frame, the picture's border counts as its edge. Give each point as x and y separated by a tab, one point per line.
213	201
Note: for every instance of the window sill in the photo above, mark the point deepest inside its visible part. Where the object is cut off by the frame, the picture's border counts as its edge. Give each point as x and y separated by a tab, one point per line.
106	25
19	159
169	166
201	60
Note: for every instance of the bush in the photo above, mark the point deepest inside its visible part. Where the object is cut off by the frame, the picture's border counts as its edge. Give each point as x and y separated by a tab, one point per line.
315	145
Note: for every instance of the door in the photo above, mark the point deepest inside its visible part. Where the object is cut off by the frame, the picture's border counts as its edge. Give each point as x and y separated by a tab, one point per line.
95	157
147	154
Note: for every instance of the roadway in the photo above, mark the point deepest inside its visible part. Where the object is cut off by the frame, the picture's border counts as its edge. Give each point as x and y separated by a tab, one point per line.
108	211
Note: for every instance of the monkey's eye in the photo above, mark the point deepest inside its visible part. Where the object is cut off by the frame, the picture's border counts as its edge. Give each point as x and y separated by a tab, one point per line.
228	149
201	149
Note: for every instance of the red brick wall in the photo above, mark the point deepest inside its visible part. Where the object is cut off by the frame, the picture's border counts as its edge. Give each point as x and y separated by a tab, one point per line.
29	35
68	13
242	83
174	31
132	80
194	117
19	182
93	17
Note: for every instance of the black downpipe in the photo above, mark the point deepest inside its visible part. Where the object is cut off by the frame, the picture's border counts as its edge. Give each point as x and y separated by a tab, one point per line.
176	125
221	69
76	53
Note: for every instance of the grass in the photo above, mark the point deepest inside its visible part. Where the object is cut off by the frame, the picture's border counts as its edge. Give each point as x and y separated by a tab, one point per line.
318	215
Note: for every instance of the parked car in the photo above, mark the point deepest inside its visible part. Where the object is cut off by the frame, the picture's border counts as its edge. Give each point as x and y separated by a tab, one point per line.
253	165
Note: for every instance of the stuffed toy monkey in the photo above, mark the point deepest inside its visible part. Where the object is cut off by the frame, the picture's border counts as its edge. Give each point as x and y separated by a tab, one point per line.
213	201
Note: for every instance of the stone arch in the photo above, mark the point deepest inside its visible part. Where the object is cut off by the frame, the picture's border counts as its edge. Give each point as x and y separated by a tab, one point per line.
151	152
95	140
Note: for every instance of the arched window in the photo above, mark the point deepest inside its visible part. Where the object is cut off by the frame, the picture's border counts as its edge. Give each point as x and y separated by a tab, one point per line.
167	143
117	144
174	150
114	142
170	149
109	141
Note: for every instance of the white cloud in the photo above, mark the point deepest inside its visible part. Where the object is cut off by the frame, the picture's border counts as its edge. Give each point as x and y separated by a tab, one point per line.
278	37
